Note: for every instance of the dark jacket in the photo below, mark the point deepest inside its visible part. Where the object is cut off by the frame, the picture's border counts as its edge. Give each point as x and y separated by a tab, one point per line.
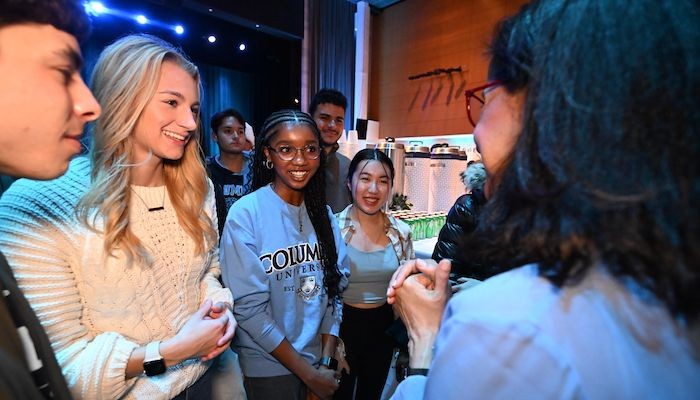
337	194
16	380
461	221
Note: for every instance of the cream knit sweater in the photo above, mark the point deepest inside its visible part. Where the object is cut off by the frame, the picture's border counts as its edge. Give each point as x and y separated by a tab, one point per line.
95	310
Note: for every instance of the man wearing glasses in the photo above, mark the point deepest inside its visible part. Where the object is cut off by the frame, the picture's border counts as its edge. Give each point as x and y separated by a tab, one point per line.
328	110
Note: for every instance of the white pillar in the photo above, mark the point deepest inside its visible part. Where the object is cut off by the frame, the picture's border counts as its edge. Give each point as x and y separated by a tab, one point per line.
362	54
305	73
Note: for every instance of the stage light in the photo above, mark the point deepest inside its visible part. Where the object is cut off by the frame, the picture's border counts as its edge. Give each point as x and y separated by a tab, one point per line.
296	101
179	29
257	25
211	38
94	7
241	47
141	19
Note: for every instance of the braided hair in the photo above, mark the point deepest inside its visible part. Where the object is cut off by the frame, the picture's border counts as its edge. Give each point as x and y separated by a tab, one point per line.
314	192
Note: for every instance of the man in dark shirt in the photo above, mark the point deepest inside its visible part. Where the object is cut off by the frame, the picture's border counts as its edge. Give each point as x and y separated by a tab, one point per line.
328	110
229	171
45	106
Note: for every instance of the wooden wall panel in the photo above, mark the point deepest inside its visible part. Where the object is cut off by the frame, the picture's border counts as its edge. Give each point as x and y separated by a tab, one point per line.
417	36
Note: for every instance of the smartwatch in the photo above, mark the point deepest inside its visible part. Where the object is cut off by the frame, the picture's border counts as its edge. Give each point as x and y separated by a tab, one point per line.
153	363
329	362
417	371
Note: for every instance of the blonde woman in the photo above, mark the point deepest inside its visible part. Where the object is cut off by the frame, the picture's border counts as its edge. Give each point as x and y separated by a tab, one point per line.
127	290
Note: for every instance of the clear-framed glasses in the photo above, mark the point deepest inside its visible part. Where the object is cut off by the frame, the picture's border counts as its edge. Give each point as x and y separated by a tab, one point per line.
287	153
475	101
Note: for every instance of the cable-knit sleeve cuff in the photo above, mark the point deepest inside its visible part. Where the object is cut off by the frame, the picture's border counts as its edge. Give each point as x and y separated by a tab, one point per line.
115	382
219	294
97	369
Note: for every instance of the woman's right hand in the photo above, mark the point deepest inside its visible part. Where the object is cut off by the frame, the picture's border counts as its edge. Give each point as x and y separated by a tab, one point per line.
411	267
197	338
323	383
420	302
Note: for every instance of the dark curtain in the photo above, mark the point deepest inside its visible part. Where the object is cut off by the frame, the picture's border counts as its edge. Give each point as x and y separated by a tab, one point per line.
332	50
223	88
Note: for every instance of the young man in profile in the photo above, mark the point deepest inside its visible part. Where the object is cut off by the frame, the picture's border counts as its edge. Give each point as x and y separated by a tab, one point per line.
328	110
45	107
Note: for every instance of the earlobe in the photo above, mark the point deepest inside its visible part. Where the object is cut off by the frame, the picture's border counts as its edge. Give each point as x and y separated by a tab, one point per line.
268	160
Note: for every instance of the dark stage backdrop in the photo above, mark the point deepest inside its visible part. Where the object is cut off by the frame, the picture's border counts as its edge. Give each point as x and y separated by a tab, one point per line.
332	49
264	78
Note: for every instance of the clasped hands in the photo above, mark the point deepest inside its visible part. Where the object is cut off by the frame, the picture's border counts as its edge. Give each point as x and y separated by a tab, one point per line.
419	290
206	334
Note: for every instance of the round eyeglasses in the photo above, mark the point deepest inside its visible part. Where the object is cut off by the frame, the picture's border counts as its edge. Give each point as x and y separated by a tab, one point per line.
287	153
475	101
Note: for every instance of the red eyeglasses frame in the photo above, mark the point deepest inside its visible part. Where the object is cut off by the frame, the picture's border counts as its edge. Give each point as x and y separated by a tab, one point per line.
473	93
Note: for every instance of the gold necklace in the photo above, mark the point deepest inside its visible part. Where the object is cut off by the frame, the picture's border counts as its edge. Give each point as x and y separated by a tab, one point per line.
151	209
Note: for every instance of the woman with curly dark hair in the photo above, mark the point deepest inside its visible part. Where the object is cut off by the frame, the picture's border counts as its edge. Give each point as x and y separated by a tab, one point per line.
284	260
594	213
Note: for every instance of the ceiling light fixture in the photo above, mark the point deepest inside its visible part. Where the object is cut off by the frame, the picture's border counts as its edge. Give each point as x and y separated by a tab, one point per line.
94	8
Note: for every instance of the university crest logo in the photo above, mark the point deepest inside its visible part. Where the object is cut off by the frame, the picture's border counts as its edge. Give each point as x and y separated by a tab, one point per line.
308	287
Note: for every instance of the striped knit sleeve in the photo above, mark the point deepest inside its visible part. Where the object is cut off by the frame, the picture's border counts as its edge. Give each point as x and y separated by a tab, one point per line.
37	234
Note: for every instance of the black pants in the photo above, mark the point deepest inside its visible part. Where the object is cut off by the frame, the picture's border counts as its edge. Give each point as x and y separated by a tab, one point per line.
369	350
285	387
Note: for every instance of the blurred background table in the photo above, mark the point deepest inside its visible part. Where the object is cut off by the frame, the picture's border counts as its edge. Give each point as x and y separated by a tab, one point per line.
424	247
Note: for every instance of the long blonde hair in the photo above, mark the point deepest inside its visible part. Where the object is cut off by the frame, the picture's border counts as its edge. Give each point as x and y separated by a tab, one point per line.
124	80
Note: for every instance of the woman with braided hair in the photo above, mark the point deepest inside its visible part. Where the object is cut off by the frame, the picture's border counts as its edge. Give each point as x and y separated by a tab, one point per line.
284	260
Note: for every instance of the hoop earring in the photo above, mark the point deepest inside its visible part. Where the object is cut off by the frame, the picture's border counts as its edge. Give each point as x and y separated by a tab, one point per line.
268	164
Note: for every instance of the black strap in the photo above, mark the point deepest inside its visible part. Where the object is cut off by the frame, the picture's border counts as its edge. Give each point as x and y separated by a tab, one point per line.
418	371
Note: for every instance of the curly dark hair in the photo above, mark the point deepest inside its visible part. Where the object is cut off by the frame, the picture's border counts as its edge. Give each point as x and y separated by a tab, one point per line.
330	96
314	193
65	15
605	171
511	52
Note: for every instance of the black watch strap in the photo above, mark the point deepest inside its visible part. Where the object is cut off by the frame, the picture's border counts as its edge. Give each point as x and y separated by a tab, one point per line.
417	371
329	362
